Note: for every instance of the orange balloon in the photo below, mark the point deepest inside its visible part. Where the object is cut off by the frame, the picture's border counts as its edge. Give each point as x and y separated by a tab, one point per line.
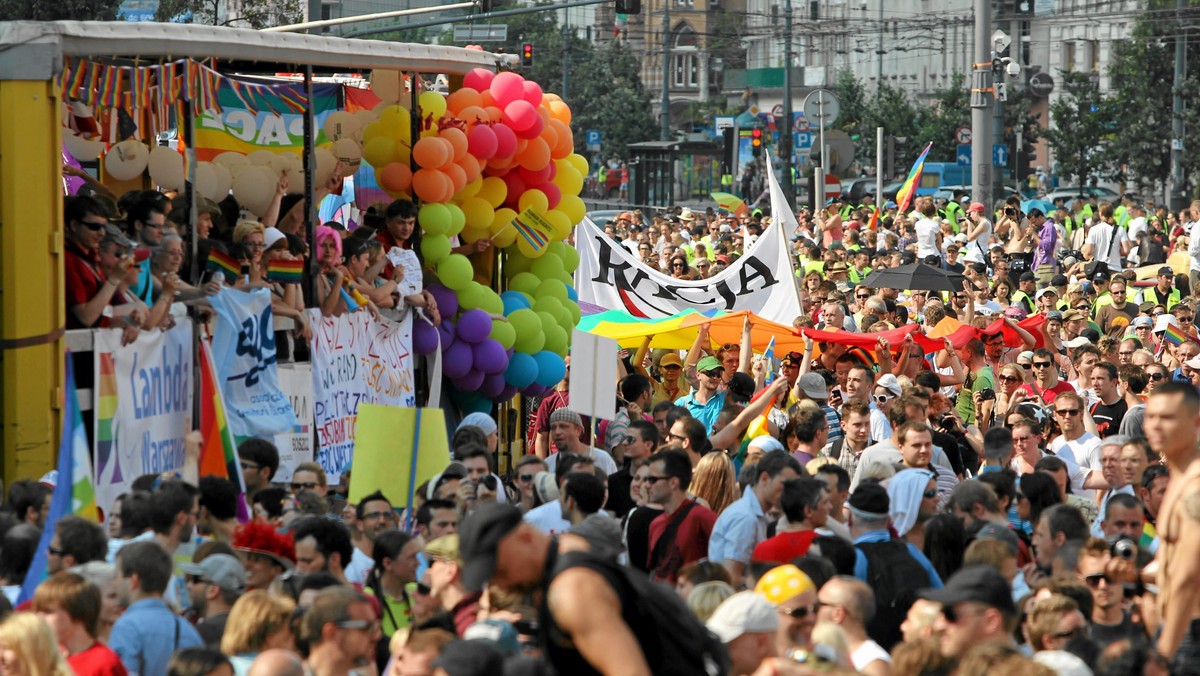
458	177
547	97
494	113
461	99
457	140
522	144
432	185
473	115
470	165
560	111
431	152
535	156
395	177
566	141
550	136
486	100
502	163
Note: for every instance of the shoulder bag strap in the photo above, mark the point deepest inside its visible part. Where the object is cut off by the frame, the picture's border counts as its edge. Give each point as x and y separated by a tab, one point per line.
1112	239
668	536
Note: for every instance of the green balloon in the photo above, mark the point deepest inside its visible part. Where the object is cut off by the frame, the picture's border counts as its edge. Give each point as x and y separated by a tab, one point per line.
458	220
434	219
548	304
525	282
528	327
570	259
557	248
547	267
566	279
455	272
566	320
553	288
435	248
503	333
556	340
576	313
516	262
491	303
472	297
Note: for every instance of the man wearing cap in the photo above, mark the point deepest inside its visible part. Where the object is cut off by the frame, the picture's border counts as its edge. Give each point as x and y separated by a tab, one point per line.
559	398
1046	299
1074	322
746	623
566	432
1163	292
977	609
446	582
794	597
672	386
979	233
214	585
812	386
706	402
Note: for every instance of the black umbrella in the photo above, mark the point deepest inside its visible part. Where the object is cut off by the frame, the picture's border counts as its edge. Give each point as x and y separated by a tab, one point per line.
916	276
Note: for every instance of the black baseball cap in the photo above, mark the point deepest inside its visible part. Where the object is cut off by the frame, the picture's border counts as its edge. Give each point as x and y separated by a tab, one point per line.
1027	277
979	584
1166	270
479	537
1059	280
470	658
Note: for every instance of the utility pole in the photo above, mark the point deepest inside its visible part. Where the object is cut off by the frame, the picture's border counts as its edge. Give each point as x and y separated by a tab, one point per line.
665	110
879	51
785	130
566	37
981	100
1175	199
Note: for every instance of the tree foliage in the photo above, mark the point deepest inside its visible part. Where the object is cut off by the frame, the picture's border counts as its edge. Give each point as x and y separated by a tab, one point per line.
257	14
59	10
1078	128
948	109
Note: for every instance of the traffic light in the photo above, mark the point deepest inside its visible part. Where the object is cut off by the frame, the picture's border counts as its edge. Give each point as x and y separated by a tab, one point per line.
756	141
629	6
527	55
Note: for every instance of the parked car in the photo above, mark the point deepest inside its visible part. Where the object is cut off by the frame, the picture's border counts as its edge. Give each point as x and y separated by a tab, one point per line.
600	218
855	189
1069	194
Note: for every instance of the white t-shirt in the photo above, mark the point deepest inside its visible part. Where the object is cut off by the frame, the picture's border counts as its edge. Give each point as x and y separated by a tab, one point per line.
867	653
975	251
360	566
1098	237
602	459
1137	227
927	234
1084	451
548	518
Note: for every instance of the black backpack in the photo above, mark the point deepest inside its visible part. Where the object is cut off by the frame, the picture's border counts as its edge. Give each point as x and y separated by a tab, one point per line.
673	641
895	576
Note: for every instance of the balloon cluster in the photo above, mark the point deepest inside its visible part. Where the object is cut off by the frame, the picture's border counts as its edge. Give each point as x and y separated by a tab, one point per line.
497	147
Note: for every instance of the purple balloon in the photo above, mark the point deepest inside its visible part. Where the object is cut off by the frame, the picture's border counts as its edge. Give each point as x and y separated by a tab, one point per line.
425	337
493	385
507	393
490	357
474	326
533	390
458	360
447	300
449	333
469	382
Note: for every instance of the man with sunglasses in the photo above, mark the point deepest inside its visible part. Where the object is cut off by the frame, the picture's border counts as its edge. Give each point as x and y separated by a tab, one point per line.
342	630
1110	622
1163	292
1075	444
1108	315
977	609
1046	385
89	286
705	403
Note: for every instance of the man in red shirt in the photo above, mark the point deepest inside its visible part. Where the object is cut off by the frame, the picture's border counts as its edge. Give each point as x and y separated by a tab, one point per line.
71	606
90	287
806	504
680	534
1046	384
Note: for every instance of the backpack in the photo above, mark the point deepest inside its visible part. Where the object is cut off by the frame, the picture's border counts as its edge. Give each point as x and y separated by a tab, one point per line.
680	645
1156	244
895	576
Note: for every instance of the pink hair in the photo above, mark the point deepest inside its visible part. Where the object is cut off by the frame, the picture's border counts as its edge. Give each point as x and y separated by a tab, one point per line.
324	232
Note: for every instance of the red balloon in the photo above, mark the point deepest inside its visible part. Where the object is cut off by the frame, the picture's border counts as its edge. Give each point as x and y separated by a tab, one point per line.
506	140
533	92
507	87
534	129
479	79
482	142
535	177
520	115
553	194
515	184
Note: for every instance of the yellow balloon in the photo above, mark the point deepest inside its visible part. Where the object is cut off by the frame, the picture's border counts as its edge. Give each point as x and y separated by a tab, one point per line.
494	190
568	180
502	232
432	103
376	130
472	235
380	151
403	151
560	224
573	207
478	212
534	199
394	119
472	189
580	163
527	248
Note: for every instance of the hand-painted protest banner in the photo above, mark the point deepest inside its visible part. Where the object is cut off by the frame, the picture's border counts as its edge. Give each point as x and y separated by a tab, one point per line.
296	446
244	354
356	360
245	131
143	406
761	281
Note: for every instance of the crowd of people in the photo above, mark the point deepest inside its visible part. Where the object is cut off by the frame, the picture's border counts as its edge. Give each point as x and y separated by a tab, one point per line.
1024	501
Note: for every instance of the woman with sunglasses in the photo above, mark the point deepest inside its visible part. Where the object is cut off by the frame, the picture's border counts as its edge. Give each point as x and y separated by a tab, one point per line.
1010	378
680	269
524	473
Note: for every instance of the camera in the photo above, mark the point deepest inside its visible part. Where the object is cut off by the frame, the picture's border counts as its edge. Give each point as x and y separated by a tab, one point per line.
1010	211
948	423
987	394
1124	548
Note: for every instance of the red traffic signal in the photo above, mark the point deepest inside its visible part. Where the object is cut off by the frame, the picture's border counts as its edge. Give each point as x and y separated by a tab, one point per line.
527	55
756	138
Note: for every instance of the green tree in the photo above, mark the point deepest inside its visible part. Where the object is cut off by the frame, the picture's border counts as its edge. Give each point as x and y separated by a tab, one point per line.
59	10
257	14
949	109
1018	116
608	95
855	116
1078	129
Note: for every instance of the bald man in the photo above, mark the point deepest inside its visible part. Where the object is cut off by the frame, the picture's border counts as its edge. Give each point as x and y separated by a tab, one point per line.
849	603
276	662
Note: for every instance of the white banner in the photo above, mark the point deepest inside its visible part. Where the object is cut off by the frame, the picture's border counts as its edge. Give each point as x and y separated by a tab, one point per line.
143	406
296	446
356	359
244	356
781	211
761	281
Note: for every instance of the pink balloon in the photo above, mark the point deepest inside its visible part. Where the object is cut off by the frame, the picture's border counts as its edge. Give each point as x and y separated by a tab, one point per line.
507	87
520	115
533	92
553	194
533	177
479	79
506	140
534	130
515	184
482	142
553	166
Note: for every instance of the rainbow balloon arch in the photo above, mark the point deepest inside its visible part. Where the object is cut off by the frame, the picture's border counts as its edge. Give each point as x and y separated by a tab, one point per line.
496	148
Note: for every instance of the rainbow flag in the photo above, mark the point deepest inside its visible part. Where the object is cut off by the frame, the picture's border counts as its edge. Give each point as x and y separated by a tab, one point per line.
769	357
74	492
873	224
218	455
285	271
536	239
1174	335
909	189
219	261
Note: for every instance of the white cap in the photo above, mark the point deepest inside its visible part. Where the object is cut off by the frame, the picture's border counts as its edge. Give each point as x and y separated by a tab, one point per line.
1164	321
1193	363
271	236
890	383
767	443
743	613
1043	291
1078	341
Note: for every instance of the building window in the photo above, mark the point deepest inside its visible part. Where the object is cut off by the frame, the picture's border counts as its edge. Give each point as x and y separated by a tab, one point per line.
1069	56
685	60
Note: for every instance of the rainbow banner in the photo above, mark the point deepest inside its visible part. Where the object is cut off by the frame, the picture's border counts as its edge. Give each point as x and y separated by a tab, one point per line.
238	119
1174	335
219	261
218	455
909	189
285	271
74	492
873	224
533	237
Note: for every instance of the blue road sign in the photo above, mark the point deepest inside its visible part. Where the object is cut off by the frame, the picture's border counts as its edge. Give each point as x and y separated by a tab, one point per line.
1000	155
593	137
964	155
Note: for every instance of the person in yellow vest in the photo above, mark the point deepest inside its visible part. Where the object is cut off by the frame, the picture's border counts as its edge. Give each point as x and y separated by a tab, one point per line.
1023	296
1163	292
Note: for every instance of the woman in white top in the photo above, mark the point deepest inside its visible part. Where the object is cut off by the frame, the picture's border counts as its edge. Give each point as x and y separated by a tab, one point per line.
979	234
929	234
